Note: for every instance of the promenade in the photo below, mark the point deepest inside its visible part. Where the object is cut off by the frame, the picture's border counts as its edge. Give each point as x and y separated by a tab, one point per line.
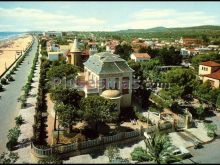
8	103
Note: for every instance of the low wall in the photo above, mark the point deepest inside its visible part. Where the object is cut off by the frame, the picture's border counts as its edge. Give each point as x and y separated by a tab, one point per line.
84	147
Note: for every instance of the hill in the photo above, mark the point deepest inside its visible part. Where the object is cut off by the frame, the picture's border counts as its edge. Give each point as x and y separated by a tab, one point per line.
164	29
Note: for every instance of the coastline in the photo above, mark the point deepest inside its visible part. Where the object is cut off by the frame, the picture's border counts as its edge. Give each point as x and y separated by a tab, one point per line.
12	49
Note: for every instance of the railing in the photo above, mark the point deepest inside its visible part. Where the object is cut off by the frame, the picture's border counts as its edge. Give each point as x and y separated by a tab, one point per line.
85	144
97	142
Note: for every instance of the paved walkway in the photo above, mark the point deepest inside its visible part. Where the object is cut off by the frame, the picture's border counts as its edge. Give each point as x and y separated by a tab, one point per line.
210	152
28	115
8	102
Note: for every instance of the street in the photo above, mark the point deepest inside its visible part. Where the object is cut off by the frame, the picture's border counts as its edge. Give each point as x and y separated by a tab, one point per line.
210	152
8	102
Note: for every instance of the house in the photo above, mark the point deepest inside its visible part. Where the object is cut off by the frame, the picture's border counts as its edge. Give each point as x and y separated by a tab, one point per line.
140	57
214	47
188	52
53	34
109	76
55	56
210	71
190	41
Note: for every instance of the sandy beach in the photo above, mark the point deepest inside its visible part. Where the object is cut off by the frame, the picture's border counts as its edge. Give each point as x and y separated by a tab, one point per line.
10	51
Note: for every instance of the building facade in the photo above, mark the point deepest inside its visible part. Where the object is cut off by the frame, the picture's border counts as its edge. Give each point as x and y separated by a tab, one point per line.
109	76
210	71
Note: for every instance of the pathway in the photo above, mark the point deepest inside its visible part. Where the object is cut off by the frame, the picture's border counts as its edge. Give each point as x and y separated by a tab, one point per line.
8	102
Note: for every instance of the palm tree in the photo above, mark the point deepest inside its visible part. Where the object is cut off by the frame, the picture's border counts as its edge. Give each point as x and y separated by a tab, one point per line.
160	149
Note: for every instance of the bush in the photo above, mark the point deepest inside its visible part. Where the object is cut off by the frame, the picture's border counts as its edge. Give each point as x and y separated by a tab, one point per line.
10	145
3	81
7	76
211	129
1	87
10	78
19	120
13	135
139	154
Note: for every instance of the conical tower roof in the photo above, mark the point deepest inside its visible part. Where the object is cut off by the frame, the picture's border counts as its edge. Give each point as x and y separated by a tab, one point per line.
75	46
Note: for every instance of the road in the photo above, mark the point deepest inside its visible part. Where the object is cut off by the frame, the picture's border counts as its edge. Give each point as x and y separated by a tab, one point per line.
210	152
8	103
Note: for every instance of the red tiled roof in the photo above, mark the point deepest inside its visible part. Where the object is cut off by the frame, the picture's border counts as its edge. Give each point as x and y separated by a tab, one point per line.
210	63
142	55
215	75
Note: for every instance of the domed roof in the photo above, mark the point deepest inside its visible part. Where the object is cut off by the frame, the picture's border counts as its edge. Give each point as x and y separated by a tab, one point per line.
110	93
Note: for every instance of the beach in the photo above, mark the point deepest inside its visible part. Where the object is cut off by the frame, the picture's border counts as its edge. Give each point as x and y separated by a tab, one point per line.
10	50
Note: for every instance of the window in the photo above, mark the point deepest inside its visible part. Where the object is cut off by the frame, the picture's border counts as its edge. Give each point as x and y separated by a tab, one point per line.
103	86
116	83
125	85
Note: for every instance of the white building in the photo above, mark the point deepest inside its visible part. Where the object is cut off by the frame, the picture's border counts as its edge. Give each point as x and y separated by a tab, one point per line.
109	76
140	57
55	56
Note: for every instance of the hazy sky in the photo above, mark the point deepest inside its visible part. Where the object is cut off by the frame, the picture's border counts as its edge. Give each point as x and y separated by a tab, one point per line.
107	16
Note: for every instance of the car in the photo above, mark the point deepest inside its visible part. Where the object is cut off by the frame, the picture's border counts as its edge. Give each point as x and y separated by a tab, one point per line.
180	152
197	145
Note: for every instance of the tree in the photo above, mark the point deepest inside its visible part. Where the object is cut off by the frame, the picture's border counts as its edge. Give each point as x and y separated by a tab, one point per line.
67	115
136	66
97	110
67	71
124	51
159	148
112	152
19	120
68	96
200	112
13	135
182	78
8	158
218	101
170	56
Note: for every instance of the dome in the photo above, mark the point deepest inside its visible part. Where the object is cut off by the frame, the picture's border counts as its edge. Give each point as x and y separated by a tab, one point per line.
111	93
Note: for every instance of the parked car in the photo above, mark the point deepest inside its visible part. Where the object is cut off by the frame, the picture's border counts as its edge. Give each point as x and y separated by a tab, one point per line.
180	152
197	145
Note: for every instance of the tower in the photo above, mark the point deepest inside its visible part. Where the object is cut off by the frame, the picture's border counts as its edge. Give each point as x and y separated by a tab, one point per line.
76	53
93	50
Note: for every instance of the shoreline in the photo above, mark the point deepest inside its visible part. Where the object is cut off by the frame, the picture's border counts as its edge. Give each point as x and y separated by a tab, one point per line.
12	49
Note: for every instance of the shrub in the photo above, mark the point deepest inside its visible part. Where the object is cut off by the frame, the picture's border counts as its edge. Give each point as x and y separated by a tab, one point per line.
211	129
10	78
1	87
3	81
139	154
13	135
7	76
19	120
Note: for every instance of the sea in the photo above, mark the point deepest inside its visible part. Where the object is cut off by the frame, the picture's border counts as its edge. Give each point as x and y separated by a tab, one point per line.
10	35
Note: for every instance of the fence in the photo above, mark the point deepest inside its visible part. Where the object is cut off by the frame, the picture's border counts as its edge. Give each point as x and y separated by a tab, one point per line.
77	146
62	149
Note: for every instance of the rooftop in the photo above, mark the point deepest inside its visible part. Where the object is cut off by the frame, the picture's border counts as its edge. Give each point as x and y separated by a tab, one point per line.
142	55
105	63
210	63
215	75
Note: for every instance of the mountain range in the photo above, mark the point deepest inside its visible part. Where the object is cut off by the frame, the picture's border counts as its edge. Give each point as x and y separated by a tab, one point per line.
164	29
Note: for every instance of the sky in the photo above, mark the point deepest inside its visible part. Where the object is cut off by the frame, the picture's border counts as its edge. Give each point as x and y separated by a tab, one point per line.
105	16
